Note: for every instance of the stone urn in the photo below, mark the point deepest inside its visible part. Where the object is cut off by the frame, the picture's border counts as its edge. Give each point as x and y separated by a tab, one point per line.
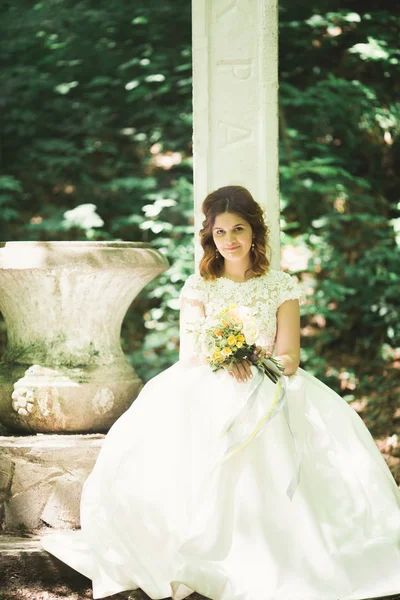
63	370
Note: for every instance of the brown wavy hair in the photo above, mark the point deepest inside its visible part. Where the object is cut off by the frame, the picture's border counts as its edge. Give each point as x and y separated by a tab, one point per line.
238	200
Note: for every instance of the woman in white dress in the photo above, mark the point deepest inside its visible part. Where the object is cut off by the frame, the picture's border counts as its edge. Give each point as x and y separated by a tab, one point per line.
306	509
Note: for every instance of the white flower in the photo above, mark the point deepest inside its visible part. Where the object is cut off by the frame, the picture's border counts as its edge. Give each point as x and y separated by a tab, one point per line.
250	330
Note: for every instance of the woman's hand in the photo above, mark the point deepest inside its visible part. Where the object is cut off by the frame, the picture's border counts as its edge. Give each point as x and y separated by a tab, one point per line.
259	352
241	371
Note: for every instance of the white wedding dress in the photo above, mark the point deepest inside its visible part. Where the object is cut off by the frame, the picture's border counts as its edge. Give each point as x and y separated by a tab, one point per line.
306	509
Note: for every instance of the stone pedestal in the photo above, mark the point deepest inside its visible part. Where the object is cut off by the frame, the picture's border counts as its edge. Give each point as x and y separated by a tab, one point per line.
41	479
63	304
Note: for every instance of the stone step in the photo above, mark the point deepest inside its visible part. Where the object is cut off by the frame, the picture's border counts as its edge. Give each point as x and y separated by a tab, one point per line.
27	572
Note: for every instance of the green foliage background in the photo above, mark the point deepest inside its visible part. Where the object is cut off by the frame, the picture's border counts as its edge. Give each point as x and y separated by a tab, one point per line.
96	144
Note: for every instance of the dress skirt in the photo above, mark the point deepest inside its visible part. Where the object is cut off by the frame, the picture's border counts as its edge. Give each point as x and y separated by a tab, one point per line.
186	495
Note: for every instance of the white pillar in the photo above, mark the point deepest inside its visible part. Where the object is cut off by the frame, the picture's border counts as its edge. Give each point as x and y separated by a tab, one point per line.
235	84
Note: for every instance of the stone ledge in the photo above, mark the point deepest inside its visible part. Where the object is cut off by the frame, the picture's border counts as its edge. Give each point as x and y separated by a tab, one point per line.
27	572
51	440
41	479
23	562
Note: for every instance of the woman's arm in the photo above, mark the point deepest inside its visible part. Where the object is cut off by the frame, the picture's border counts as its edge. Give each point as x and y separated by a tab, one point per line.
191	311
288	336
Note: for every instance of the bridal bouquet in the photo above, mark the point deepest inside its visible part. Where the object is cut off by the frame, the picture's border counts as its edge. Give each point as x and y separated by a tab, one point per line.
230	338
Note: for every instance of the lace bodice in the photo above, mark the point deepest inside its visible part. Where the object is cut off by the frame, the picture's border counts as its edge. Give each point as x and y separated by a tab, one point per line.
264	295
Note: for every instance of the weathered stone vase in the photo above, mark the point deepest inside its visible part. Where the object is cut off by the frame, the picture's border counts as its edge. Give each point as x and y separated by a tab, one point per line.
63	370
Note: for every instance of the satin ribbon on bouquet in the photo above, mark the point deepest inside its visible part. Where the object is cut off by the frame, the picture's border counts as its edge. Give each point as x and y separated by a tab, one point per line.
251	418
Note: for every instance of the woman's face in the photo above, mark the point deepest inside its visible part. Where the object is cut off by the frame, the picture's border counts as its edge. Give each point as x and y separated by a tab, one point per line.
232	236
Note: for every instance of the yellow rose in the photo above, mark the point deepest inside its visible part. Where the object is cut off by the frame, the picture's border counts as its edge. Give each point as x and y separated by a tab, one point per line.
227	351
239	345
231	340
217	355
240	338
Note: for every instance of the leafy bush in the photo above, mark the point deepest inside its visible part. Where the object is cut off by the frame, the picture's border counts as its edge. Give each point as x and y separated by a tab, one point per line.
340	123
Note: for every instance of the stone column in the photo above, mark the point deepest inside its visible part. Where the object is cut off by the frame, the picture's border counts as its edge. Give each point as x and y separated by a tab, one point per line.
235	139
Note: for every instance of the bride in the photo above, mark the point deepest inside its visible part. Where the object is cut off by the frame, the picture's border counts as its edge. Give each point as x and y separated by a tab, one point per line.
304	509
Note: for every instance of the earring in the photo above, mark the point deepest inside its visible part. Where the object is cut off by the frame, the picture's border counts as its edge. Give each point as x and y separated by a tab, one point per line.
217	254
252	247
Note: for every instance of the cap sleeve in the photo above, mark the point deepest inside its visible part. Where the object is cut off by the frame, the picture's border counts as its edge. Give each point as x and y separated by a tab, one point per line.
193	289
289	289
